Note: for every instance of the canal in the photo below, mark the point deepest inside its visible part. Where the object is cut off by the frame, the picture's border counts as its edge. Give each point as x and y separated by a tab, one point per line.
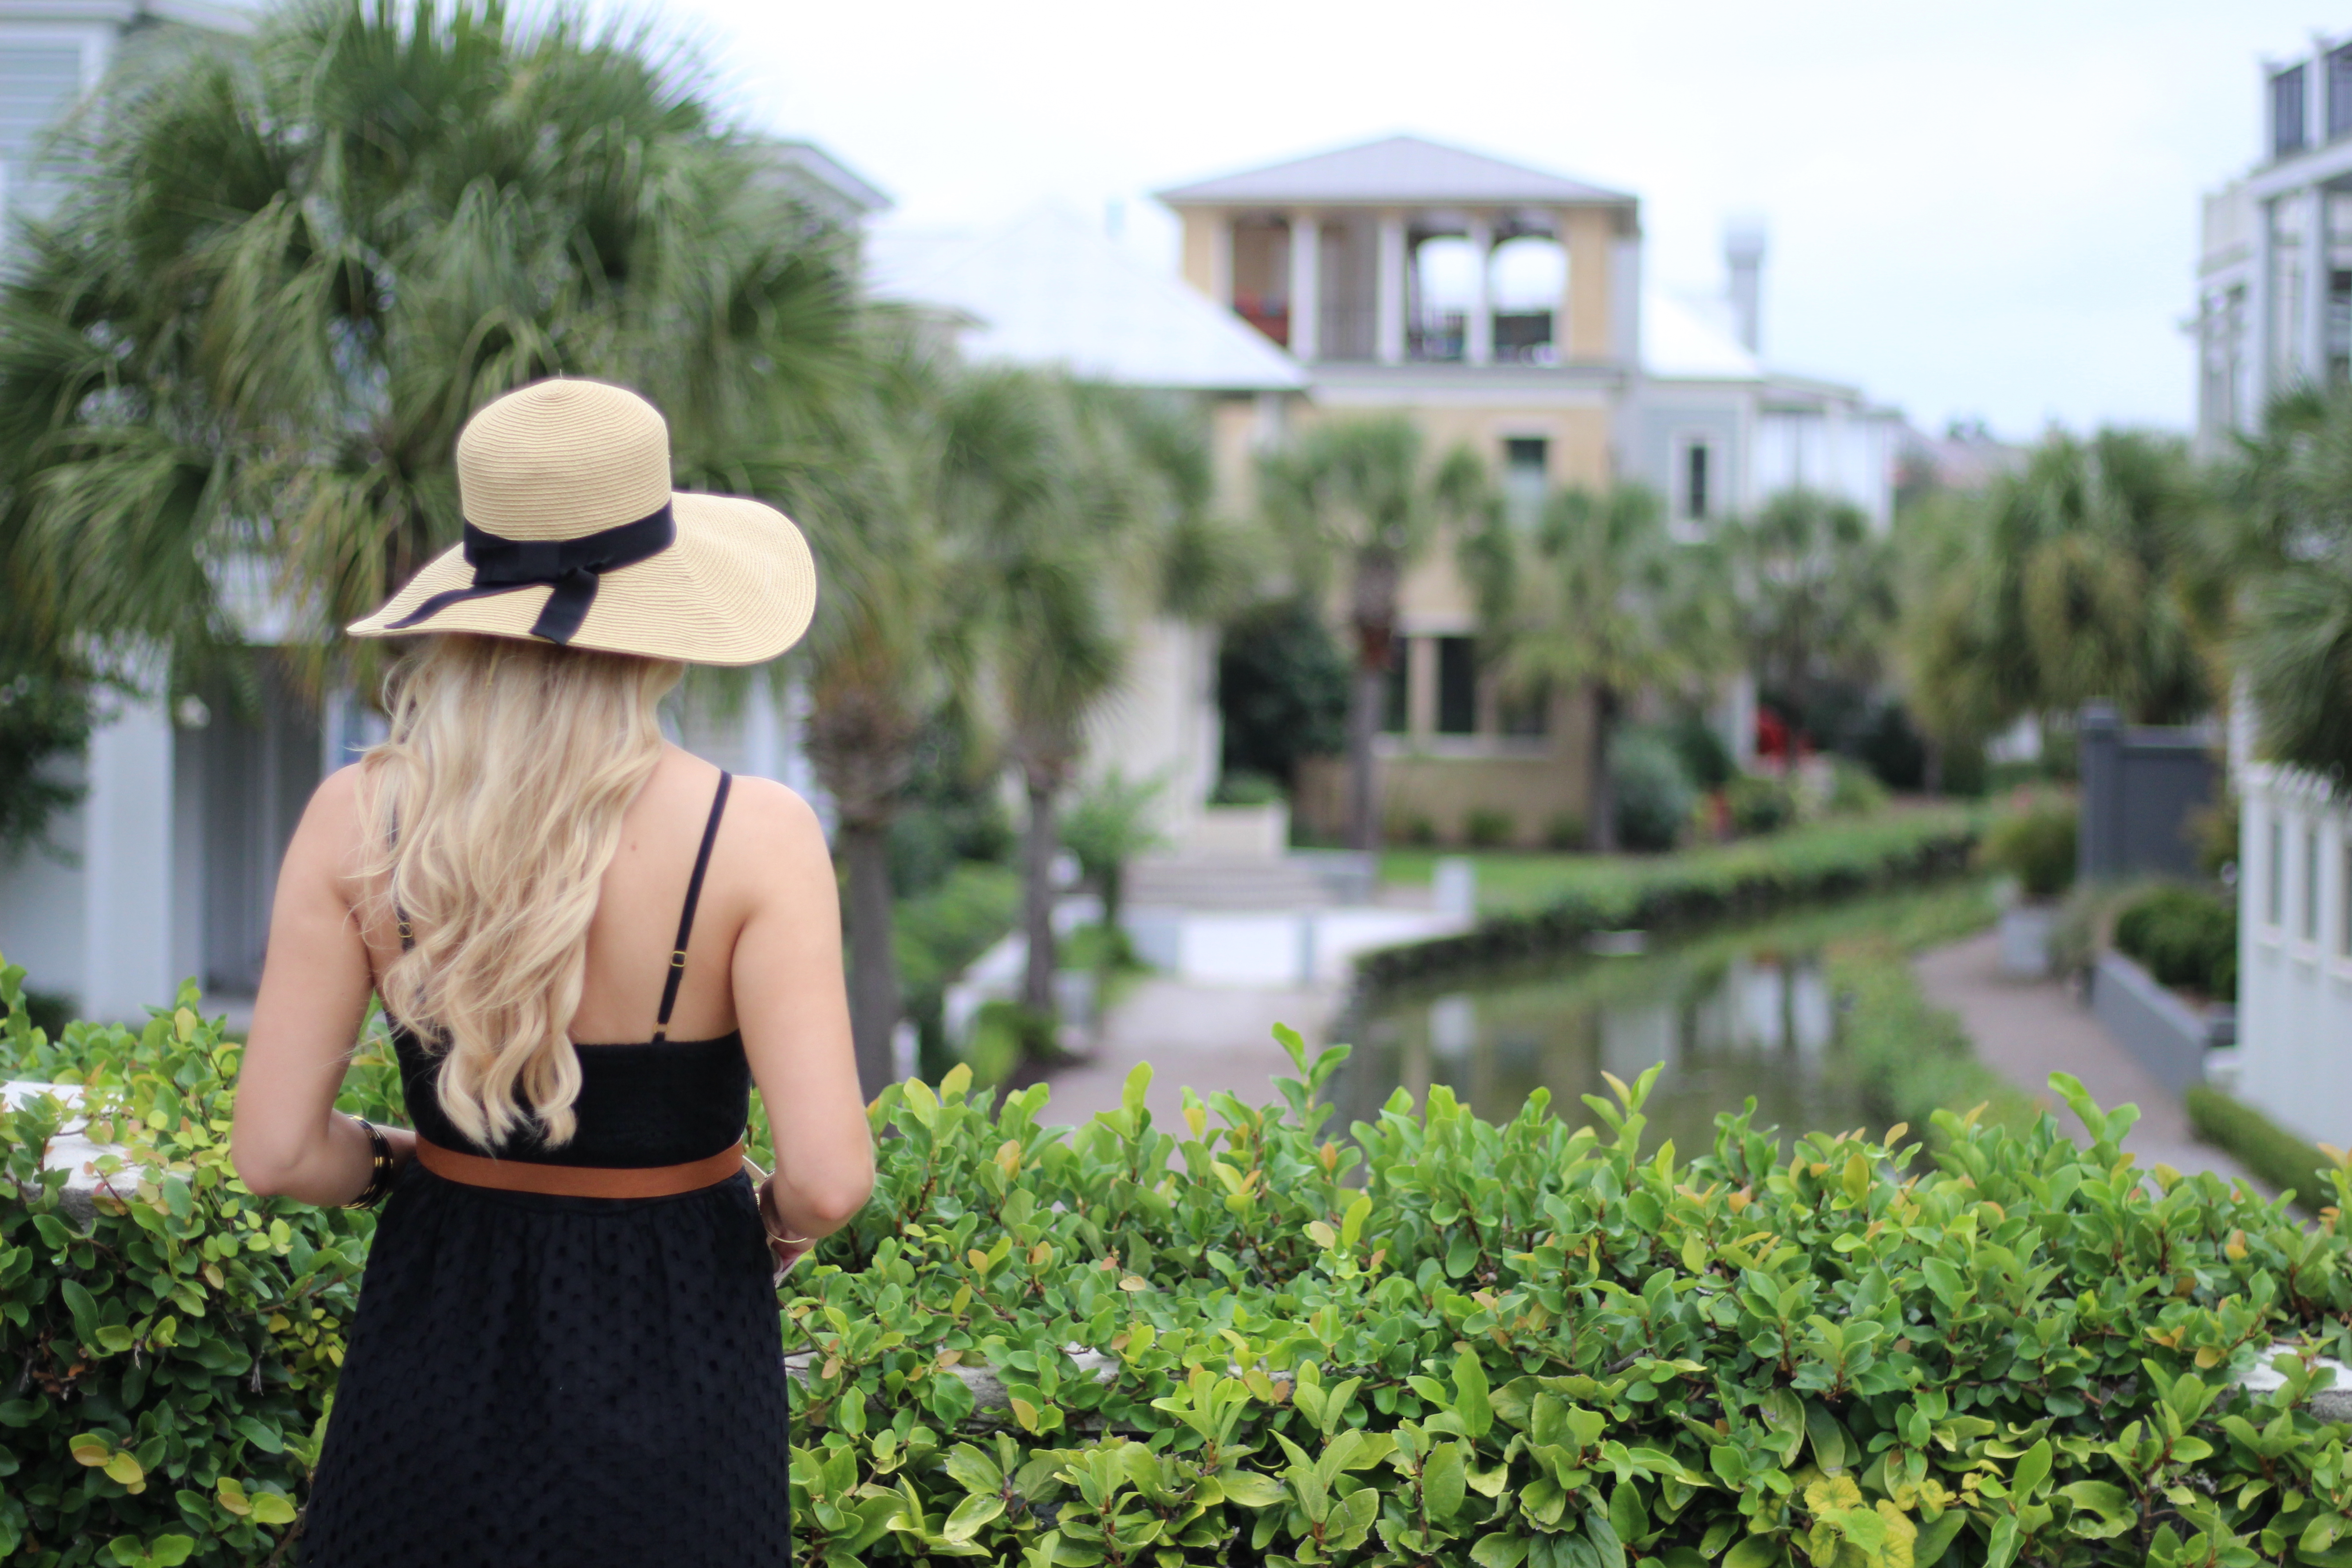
1732	1015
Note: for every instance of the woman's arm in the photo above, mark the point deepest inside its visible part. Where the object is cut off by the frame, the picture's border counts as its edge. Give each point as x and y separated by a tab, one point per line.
794	1009
287	1137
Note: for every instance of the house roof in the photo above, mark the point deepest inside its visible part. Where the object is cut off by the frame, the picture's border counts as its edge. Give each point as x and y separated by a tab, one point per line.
1399	169
1048	288
825	182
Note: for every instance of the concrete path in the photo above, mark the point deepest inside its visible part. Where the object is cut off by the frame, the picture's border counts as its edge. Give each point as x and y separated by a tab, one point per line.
2027	1030
1204	1037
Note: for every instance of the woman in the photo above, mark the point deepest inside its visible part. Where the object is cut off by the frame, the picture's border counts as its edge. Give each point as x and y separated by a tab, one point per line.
591	945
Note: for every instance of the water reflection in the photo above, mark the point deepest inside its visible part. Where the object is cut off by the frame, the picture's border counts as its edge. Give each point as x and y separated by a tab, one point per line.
1740	1017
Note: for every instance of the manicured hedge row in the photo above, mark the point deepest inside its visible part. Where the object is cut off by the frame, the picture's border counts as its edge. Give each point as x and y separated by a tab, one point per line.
1700	889
1248	1340
2261	1146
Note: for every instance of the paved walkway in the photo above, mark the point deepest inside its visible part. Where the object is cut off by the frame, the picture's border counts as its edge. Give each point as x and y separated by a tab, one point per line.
1204	1037
2027	1030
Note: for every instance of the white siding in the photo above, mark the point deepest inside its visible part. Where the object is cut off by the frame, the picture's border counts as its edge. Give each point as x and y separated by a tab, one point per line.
2295	983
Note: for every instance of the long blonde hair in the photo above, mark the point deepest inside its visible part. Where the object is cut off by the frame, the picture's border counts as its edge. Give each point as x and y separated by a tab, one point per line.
493	811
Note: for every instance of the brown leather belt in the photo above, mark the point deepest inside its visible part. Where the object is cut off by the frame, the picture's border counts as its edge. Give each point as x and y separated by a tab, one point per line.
579	1181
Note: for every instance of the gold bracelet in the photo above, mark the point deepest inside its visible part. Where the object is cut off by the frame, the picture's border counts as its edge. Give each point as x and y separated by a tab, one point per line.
382	1169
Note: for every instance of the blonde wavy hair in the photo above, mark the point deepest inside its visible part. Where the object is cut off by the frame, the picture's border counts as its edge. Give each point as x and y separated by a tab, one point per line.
492	811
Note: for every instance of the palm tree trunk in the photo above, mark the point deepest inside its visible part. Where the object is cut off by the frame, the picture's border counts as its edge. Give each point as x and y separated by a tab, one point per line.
1039	843
873	965
1601	794
1365	700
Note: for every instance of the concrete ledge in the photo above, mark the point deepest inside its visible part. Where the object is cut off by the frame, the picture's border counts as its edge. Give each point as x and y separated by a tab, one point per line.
2163	1033
71	1150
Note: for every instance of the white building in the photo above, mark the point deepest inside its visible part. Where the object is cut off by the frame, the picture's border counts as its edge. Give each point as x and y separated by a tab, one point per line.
2294	950
2275	268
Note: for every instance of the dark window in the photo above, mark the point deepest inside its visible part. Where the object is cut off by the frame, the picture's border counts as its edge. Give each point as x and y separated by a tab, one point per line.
2339	92
1457	686
1695	479
1396	705
1526	466
2286	112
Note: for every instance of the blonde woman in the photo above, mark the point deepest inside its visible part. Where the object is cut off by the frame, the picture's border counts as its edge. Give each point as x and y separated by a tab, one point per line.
591	946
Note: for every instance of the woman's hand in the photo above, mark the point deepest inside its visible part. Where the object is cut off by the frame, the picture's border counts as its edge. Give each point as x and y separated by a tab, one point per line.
783	1246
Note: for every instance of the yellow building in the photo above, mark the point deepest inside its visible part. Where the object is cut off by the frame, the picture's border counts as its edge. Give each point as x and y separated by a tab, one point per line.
1503	308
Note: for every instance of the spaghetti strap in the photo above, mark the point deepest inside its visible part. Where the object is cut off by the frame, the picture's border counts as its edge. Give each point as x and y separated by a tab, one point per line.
685	917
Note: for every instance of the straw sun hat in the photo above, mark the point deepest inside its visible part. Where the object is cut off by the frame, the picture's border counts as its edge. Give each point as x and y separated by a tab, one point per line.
574	536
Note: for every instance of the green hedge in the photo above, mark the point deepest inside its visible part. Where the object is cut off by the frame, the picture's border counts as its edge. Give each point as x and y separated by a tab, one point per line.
1705	887
2185	937
1251	1340
2263	1146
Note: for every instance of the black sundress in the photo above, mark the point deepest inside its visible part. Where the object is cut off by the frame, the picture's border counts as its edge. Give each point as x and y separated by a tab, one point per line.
571	1381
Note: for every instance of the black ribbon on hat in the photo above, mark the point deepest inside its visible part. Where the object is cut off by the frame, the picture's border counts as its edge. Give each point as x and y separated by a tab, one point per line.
571	566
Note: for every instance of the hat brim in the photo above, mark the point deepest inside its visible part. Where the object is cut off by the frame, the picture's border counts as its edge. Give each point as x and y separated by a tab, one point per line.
736	587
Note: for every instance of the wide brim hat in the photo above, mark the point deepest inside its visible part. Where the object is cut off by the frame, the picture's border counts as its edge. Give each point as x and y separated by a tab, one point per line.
574	536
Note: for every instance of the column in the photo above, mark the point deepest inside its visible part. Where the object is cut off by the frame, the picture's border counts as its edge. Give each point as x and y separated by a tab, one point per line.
1305	286
1221	260
1388	341
2262	280
2313	327
127	864
1478	342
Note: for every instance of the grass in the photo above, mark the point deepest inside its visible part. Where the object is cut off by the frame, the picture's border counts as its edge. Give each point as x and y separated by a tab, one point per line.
1518	882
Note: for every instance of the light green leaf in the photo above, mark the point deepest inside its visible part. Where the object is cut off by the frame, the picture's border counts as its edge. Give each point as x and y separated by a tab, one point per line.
965	1522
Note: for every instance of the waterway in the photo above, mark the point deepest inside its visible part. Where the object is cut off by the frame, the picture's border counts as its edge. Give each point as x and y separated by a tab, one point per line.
1738	1014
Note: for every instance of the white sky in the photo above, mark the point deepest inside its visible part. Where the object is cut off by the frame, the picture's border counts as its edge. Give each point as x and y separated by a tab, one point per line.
1987	209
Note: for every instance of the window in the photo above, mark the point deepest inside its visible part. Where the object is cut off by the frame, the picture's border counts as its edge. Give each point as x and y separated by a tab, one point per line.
1457	686
2286	112
1526	470
1396	705
2275	877
2339	92
2311	885
1698	481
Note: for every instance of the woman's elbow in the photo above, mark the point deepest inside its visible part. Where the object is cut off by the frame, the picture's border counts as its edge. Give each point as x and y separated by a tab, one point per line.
264	1171
834	1202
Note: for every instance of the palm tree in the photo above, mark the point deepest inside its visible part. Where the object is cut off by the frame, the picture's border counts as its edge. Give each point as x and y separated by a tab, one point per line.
1814	594
1600	596
891	645
2061	584
298	262
1358	492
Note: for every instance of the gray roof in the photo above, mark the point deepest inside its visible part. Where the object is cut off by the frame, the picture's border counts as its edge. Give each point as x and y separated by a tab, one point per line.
824	181
1399	169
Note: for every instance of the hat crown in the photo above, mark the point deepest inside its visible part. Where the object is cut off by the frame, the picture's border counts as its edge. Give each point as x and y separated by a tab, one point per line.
562	459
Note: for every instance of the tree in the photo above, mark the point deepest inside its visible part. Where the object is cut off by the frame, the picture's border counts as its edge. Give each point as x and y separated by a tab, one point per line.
2272	582
1600	597
1815	596
1356	494
1090	507
298	262
2058	585
893	641
1282	689
1114	819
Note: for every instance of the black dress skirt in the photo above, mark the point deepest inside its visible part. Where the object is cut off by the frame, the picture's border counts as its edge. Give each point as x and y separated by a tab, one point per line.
561	1380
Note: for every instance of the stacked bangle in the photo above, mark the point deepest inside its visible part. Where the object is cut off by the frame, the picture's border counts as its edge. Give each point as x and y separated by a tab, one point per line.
380	1169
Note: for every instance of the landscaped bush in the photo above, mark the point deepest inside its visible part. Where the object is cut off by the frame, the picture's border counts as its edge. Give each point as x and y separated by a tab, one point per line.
2036	846
1854	789
1247	1342
2276	1156
1565	831
2184	936
1654	790
1760	805
1489	827
169	1369
1702	887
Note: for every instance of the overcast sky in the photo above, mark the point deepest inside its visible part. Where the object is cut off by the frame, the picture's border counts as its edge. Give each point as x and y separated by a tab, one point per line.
1985	210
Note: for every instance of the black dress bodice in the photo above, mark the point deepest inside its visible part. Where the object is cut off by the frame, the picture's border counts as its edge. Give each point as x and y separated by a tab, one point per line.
644	1104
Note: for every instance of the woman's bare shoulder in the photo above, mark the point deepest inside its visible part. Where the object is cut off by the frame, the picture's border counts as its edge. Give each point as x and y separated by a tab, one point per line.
774	814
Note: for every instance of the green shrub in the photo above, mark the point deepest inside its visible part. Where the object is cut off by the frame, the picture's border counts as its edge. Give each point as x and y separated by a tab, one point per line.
1854	789
935	935
1244	787
1697	888
2184	936
1760	805
1246	1340
1706	762
2036	846
1910	1058
1449	1341
1489	827
170	1367
1653	791
1564	830
1411	828
2261	1146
